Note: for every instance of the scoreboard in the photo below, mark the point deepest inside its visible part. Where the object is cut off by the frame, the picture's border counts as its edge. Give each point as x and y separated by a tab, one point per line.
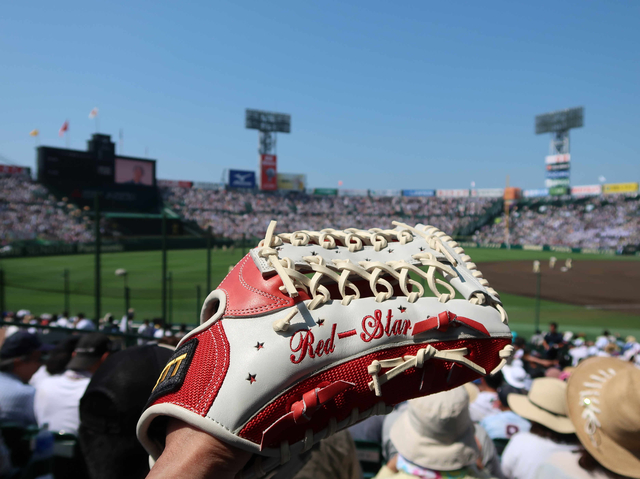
124	183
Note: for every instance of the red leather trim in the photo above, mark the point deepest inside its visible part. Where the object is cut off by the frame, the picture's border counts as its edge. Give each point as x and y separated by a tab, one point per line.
206	372
443	320
249	294
437	375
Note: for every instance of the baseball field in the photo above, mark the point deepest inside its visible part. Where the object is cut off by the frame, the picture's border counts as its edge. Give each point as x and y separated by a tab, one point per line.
597	292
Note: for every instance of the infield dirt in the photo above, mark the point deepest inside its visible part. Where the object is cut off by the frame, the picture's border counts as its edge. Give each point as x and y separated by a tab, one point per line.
610	285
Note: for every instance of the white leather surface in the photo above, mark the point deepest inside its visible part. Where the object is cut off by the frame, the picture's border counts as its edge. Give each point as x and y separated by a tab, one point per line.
275	372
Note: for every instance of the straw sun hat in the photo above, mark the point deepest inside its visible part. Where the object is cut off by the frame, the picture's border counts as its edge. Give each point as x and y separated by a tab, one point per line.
546	404
436	431
603	397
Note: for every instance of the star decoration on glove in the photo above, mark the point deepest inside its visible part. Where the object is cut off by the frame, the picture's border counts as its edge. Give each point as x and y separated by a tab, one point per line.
251	378
313	253
421	248
259	346
390	251
320	322
402	309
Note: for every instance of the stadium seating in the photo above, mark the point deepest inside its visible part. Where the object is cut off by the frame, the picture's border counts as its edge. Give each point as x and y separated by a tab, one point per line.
29	212
233	214
602	222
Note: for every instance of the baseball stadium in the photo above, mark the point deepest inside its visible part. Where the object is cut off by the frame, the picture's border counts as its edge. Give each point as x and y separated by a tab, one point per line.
157	321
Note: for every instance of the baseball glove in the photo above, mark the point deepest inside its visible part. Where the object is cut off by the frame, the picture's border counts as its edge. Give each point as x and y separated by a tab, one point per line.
314	331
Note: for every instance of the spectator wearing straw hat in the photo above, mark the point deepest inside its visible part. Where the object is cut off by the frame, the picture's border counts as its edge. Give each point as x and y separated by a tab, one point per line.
435	437
551	429
603	396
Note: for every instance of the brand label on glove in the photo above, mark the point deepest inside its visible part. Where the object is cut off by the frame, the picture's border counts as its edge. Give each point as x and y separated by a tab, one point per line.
174	373
303	342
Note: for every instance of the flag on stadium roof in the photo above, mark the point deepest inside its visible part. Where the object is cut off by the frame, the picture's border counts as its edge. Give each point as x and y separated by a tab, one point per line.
93	113
63	128
34	132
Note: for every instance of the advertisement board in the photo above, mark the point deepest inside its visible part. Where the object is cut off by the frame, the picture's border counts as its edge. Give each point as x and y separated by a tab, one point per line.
487	193
325	191
242	179
512	193
14	170
418	192
557	174
586	190
352	192
205	185
535	193
558	167
558	190
613	188
134	172
555	159
452	193
291	181
385	192
552	183
174	184
268	172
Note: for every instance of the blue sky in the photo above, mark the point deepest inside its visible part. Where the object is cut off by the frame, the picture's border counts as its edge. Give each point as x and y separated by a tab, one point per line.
382	94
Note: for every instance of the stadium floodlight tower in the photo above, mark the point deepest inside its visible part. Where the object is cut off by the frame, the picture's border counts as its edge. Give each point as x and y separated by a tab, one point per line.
558	123
268	124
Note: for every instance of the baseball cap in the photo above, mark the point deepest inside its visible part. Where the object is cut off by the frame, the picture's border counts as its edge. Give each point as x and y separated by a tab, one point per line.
90	349
118	392
21	344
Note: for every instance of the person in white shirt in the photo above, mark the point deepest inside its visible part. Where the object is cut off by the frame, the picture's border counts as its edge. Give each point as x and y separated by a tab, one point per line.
579	352
158	332
483	406
84	323
57	398
551	430
502	426
126	322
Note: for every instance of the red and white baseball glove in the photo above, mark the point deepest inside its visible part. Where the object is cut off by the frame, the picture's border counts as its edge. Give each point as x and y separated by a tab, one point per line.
313	332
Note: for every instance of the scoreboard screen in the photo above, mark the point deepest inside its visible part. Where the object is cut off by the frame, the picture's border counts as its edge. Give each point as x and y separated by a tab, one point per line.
134	172
124	183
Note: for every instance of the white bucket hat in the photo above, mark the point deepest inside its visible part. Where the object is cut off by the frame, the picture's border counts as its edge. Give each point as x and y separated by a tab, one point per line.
515	376
603	397
546	404
436	432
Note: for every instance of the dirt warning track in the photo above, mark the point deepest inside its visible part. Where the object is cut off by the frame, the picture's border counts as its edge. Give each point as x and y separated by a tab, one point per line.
600	284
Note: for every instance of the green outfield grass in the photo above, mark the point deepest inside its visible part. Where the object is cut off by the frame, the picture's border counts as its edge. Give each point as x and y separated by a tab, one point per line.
37	284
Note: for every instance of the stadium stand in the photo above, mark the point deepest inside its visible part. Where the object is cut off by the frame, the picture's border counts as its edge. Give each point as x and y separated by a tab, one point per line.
233	213
28	212
602	222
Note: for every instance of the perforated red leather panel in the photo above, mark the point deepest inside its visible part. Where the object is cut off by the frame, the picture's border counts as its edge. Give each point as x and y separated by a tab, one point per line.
403	387
206	372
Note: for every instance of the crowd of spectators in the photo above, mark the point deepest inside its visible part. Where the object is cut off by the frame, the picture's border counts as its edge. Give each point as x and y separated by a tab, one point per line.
604	222
519	423
29	212
525	422
232	214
